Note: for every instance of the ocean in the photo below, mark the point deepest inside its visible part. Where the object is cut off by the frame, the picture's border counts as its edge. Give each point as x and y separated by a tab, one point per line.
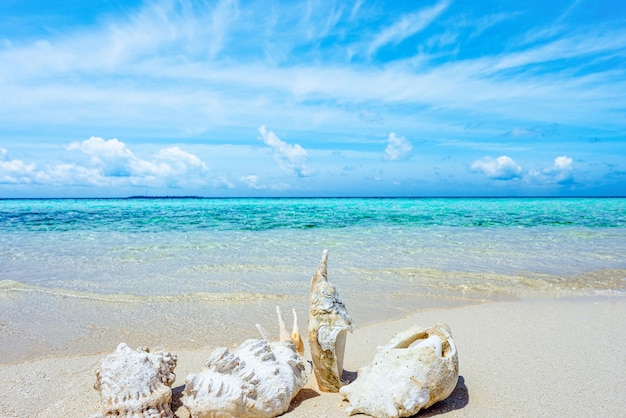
79	276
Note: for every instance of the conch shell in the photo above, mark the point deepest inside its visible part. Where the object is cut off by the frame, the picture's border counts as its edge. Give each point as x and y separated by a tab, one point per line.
416	369
329	323
136	384
257	379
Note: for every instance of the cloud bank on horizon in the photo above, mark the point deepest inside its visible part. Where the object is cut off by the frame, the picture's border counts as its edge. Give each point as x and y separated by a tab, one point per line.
316	98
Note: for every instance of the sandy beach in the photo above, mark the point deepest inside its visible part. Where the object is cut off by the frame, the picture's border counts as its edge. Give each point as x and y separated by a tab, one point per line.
533	357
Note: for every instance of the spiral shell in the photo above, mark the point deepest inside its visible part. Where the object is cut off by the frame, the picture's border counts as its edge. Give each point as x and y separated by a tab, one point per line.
136	384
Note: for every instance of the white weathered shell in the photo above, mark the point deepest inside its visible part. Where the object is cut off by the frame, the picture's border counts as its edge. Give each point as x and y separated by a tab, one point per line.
329	323
257	379
136	383
416	369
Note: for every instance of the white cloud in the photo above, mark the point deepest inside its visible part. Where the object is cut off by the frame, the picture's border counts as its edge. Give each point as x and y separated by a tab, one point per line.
179	70
290	158
398	147
112	156
71	174
18	172
15	171
561	172
407	26
181	161
563	163
111	164
252	181
114	159
502	168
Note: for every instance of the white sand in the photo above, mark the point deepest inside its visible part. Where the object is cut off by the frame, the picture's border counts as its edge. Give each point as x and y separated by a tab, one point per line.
552	357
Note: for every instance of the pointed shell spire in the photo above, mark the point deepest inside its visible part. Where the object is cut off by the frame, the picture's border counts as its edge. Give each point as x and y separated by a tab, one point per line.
284	335
329	323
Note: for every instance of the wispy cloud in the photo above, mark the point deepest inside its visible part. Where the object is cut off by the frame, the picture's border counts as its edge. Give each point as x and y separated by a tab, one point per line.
135	62
290	158
407	26
175	74
488	21
222	18
545	131
355	8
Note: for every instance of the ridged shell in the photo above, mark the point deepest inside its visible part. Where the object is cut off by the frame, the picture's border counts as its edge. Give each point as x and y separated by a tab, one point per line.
329	323
416	369
257	379
136	383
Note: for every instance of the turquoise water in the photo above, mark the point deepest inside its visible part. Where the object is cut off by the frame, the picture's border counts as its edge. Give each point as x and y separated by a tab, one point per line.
158	215
75	274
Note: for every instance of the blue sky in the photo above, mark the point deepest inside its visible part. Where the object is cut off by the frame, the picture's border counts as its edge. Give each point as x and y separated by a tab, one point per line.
319	98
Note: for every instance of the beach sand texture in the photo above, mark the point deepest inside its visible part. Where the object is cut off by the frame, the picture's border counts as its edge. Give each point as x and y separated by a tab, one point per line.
532	357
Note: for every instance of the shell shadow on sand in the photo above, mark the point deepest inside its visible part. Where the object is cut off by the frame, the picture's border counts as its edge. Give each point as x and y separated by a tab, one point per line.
458	399
304	395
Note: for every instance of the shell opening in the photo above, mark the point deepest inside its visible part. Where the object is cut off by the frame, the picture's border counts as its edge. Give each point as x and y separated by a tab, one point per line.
441	347
340	347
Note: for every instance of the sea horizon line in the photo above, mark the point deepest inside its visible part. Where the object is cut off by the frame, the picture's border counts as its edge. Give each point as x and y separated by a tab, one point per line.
191	197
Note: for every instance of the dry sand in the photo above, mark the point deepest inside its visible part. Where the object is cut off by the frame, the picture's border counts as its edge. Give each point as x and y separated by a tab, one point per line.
549	357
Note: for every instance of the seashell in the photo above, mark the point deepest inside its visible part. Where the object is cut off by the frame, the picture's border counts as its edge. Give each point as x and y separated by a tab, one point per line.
136	383
294	337
329	323
257	379
284	335
416	369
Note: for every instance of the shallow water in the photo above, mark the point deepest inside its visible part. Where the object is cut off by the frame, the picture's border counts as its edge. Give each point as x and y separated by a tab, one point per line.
79	276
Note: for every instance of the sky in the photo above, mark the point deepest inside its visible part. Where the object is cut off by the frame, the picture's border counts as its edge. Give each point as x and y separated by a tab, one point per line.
312	98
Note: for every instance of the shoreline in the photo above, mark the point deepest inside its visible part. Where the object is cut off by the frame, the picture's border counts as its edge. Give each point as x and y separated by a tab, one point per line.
40	322
534	356
65	325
